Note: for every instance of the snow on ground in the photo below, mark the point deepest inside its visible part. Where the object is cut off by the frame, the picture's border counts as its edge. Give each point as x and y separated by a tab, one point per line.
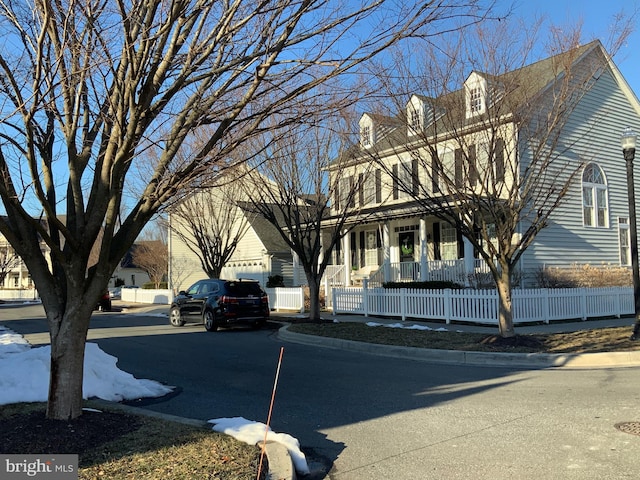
253	433
24	377
406	327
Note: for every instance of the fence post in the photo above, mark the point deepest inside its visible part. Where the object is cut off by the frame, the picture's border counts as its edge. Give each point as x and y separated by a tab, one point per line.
302	299
403	303
333	301
546	305
447	305
583	303
365	296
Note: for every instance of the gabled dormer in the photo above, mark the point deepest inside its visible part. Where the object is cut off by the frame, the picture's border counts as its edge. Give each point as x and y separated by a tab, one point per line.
416	111
475	88
367	131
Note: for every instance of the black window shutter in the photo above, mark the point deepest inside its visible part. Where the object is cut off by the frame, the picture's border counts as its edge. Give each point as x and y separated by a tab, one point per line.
352	193
436	241
435	173
473	169
378	186
394	171
361	189
415	181
458	167
499	160
460	244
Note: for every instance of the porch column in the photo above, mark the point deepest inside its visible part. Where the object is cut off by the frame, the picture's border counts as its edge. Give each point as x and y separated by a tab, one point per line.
346	249
424	265
469	261
386	245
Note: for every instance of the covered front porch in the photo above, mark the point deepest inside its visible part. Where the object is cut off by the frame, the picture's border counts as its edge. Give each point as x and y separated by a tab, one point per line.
404	250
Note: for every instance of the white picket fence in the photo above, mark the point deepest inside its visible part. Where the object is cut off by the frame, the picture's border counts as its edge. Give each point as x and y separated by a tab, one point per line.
481	306
143	295
23	294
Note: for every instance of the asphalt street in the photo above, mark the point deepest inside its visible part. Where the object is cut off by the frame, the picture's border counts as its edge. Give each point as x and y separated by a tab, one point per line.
365	416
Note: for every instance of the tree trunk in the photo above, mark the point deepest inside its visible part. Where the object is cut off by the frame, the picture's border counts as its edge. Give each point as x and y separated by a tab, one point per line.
68	332
505	311
314	297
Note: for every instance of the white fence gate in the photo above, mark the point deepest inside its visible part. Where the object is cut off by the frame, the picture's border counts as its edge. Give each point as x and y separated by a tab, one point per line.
481	306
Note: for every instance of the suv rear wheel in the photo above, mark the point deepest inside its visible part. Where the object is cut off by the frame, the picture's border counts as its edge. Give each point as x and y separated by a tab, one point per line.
175	318
210	323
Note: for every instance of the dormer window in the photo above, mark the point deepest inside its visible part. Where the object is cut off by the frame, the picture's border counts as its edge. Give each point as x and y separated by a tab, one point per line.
475	94
414	121
367	131
475	101
365	136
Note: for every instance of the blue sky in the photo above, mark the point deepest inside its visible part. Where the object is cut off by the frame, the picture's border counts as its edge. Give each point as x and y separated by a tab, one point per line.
596	17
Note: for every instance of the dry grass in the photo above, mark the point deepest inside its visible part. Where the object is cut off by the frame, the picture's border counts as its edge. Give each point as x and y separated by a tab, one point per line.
115	445
594	340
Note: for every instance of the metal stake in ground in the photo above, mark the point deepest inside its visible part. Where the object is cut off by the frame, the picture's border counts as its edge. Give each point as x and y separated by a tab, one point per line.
273	397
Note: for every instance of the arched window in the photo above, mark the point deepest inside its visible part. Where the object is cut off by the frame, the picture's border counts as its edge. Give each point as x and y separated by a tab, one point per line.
595	210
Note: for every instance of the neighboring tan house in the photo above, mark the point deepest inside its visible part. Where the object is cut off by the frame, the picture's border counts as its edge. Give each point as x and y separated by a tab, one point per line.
592	226
260	251
13	271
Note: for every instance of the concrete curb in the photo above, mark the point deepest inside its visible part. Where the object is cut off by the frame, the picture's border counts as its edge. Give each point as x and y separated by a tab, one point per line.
457	357
280	462
278	458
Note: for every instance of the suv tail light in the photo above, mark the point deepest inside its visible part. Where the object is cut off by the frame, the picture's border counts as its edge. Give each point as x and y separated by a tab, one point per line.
228	299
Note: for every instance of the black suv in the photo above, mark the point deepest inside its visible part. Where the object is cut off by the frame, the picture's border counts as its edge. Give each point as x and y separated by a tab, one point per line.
216	303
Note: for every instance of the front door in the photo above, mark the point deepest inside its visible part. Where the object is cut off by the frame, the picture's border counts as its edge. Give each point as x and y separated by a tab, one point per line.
406	241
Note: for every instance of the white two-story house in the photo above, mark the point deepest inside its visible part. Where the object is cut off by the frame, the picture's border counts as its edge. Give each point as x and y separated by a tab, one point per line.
391	238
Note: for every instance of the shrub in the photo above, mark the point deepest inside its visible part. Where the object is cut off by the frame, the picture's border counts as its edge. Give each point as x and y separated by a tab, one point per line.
275	281
152	286
431	285
588	276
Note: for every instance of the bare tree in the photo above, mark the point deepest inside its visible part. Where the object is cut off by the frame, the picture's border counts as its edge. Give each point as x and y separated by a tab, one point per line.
89	88
494	158
290	189
179	269
8	261
152	257
210	221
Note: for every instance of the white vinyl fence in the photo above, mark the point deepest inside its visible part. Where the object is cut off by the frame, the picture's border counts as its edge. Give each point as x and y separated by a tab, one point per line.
143	295
281	298
25	294
481	306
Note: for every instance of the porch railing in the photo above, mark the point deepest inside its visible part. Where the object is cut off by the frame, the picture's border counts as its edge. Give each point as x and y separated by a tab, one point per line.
437	270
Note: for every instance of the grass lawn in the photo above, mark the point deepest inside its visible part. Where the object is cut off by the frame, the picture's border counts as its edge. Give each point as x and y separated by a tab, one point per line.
585	341
118	445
